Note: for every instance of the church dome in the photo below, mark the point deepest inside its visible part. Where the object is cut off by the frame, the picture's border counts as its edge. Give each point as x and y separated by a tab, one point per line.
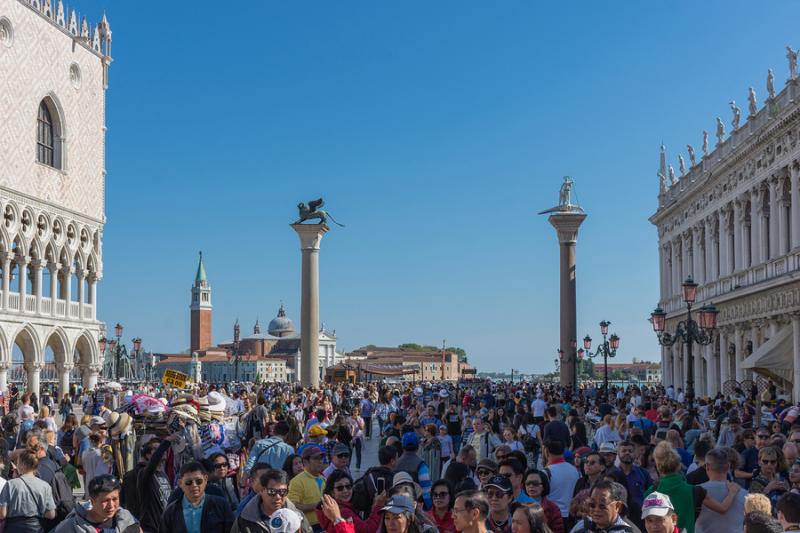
280	326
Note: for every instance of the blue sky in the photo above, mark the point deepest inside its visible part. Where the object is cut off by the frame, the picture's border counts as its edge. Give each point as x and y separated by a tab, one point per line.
436	131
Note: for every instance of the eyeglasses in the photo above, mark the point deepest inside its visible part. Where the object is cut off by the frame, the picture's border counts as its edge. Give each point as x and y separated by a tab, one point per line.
484	472
349	486
277	492
459	510
221	465
190	482
601	506
492	494
763	436
533	483
440	495
343	455
769	461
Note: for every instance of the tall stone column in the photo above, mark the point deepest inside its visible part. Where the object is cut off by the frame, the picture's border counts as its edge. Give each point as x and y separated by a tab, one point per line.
4	376
783	223
724	241
63	377
724	365
93	294
6	257
796	357
310	238
676	267
755	227
90	375
566	224
697	256
708	249
22	267
34	371
37	285
738	219
711	370
795	199
773	218
739	357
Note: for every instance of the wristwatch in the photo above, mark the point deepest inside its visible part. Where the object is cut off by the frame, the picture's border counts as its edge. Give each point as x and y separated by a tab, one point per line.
339	520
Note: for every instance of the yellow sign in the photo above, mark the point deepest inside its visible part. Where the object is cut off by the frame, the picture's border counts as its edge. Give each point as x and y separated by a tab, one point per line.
174	378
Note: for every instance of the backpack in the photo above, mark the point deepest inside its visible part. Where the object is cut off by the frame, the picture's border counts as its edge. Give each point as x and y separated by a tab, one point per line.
365	489
63	498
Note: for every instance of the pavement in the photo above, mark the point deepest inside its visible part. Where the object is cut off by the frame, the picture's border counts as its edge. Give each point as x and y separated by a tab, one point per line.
369	453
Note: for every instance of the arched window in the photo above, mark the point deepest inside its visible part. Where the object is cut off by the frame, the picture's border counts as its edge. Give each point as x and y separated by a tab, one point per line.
48	135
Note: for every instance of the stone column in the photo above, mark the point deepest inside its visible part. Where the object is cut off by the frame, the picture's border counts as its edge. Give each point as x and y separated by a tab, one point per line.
34	370
697	256
796	357
310	238
6	257
81	274
795	199
90	375
4	376
755	228
63	377
710	274
664	271
724	241
66	287
665	367
738	220
724	361
37	276
711	373
739	340
22	271
93	294
677	366
676	267
773	218
686	256
53	269
566	224
783	221
699	382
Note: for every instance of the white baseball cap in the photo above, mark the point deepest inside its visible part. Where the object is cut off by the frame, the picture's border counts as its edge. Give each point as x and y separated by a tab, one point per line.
285	521
657	504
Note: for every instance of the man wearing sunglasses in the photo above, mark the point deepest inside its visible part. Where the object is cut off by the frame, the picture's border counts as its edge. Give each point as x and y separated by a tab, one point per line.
195	511
273	496
340	459
499	492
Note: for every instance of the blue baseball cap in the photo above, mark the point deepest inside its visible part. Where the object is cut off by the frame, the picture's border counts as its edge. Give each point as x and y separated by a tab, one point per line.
410	440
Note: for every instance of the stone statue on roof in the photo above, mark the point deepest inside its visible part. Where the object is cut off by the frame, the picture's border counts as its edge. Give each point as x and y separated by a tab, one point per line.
565	194
692	155
770	83
720	131
681	164
672	180
791	55
751	102
705	143
737	114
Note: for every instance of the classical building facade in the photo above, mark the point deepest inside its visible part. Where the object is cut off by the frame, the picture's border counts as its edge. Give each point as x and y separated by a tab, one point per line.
53	78
731	221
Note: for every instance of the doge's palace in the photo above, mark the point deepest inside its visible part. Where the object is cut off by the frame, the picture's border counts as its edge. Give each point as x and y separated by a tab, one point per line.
730	218
53	78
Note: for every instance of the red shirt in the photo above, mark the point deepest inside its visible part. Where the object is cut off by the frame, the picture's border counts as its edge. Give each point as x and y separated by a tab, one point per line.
444	524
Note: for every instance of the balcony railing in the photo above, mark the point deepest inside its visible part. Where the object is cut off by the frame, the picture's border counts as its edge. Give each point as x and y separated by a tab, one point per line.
724	285
46	307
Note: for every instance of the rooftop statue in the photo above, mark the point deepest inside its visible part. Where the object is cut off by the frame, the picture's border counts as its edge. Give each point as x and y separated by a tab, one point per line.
720	131
791	55
737	114
770	83
672	180
751	102
692	155
313	212
705	143
681	164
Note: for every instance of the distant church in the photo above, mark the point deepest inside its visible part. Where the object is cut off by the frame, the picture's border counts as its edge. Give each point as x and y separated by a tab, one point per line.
274	355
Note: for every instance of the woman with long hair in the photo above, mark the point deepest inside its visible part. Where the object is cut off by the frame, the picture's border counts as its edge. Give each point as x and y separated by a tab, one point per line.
528	519
339	486
607	432
578	435
355	424
441	513
65	406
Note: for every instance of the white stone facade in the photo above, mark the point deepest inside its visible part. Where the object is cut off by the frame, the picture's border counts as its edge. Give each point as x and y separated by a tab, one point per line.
51	235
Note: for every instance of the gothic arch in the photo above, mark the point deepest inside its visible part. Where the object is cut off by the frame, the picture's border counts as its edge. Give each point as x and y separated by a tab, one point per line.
86	348
59	343
29	343
50	106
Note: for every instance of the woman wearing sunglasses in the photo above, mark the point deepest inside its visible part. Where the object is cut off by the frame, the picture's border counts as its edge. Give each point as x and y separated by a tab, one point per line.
770	479
339	485
442	511
537	486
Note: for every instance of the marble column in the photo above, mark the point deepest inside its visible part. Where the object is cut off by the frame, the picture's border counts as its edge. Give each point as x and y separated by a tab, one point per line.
81	276
22	267
699	381
66	287
697	256
37	276
738	222
724	360
665	378
711	370
795	199
63	377
34	371
755	228
4	376
796	357
686	256
783	222
53	269
676	267
724	241
739	340
93	294
310	238
90	376
6	257
773	218
710	249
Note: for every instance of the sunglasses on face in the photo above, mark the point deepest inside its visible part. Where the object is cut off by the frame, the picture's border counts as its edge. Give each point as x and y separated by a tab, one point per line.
440	495
763	436
221	465
343	456
349	486
482	472
495	494
277	492
190	482
533	483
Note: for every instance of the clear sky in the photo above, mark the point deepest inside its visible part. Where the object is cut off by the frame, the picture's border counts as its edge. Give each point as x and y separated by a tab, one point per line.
435	131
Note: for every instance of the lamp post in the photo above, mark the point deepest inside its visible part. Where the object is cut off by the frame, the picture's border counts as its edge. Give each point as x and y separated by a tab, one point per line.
607	349
118	366
139	362
688	331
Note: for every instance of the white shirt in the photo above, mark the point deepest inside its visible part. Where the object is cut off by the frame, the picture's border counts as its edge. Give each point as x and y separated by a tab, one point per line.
539	407
563	477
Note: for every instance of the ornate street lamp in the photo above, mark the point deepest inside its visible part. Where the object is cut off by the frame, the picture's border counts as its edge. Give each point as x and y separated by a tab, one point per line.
117	365
687	331
608	348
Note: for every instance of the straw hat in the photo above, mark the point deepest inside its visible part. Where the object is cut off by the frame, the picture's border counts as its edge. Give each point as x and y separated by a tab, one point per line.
118	423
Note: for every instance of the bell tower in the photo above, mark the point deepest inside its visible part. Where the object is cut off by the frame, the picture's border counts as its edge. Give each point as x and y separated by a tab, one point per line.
200	310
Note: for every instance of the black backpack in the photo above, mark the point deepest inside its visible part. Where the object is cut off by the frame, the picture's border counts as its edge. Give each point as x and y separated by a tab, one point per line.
365	489
63	498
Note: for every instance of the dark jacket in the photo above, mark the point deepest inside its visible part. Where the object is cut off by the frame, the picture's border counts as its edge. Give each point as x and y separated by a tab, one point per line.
217	516
151	503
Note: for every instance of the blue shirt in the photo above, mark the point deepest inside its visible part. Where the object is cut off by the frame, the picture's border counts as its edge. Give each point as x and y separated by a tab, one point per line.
192	515
524	498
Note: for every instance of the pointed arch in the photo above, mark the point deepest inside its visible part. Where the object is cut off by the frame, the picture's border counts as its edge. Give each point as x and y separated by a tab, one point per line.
28	341
50	132
85	350
58	341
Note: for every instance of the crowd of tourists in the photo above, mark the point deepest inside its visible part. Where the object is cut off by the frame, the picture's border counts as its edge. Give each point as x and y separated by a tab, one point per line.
473	457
